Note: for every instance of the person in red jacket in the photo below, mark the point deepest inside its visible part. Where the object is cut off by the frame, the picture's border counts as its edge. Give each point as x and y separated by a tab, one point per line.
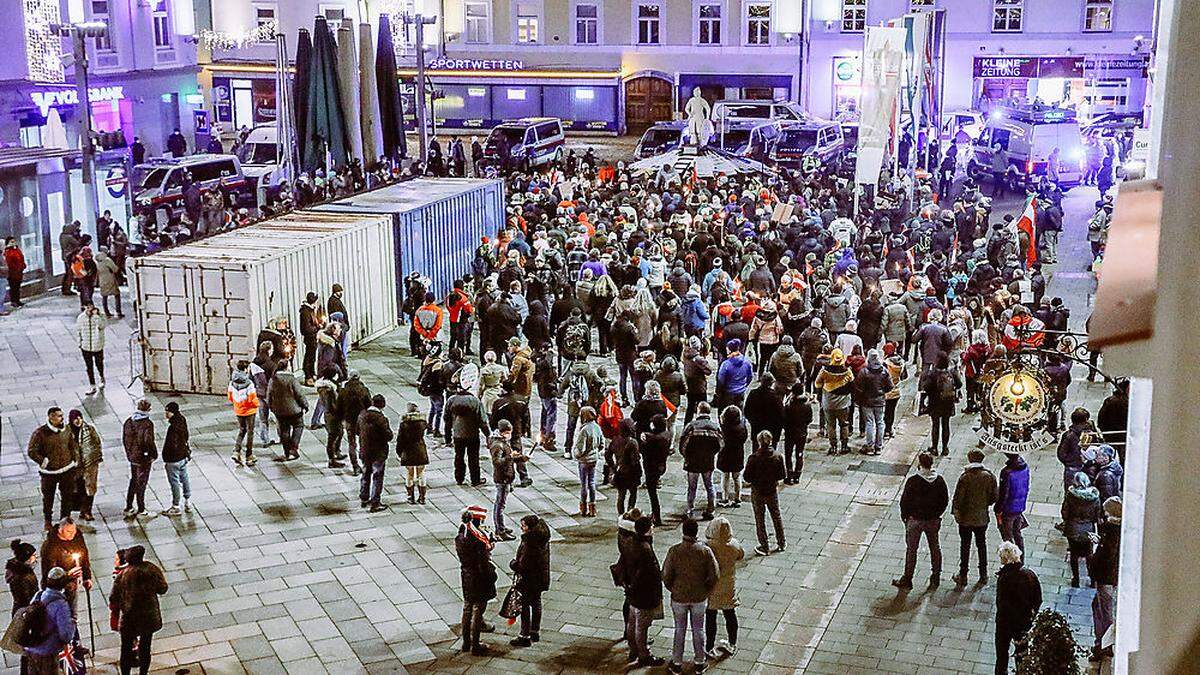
14	262
460	309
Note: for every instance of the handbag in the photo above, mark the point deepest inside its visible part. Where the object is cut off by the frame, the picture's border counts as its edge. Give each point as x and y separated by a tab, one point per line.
513	603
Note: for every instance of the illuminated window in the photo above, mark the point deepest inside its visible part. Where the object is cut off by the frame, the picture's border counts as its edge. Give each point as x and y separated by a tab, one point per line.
1007	15
587	24
264	21
854	16
529	19
649	17
1097	16
479	21
162	24
758	23
515	94
709	24
100	12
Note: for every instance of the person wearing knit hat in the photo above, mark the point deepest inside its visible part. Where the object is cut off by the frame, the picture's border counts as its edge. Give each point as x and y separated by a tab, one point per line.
835	382
473	546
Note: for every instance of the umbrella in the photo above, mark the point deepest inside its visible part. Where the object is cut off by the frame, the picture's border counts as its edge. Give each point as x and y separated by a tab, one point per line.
390	108
300	91
347	67
372	142
326	127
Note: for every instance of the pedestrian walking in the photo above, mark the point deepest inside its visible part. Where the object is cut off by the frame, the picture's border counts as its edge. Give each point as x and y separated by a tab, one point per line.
589	446
91	455
1011	496
922	504
89	335
138	438
699	443
531	576
243	396
330	409
690	572
176	455
134	598
410	448
764	470
973	494
474	546
1018	599
287	403
723	597
261	370
797	416
52	449
655	446
375	435
353	400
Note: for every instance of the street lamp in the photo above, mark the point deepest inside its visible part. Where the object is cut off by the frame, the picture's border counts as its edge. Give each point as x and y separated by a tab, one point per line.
78	32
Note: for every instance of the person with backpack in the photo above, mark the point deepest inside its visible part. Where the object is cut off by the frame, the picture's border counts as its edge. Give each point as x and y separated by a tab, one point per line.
545	377
431	384
587	449
51	625
286	400
135	600
940	387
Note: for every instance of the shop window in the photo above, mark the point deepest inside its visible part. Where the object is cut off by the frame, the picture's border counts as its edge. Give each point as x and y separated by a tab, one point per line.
758	23
708	27
1097	16
587	24
854	16
161	18
920	5
649	17
1007	16
100	13
529	20
479	21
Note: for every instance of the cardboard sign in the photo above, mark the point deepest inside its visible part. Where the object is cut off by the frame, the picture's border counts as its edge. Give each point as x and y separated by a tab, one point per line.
782	212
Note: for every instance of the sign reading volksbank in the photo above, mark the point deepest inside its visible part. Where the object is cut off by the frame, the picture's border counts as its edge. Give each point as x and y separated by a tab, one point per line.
442	63
45	100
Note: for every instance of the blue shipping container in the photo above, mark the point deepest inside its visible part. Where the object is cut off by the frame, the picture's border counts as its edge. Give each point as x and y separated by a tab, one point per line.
438	224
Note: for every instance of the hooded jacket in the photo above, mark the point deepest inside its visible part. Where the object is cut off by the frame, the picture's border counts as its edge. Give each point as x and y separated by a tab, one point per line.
728	551
640	573
696	371
374	435
286	398
466	415
626	456
521	374
243	394
836	312
690	571
973	494
895	322
138	439
670	381
734	375
176	447
354	399
410	439
699	443
925	496
22	582
1013	489
734	434
1080	512
873	383
764	410
532	561
786	366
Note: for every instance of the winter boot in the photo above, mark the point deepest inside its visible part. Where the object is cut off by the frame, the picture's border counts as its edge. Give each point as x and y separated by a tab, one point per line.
592	510
237	458
411	498
420	494
583	509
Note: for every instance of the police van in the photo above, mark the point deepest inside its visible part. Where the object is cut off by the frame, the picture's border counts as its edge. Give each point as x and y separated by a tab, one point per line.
1031	136
659	138
817	139
159	182
525	143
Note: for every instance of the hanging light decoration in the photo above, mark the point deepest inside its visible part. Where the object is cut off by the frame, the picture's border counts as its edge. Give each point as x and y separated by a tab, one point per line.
263	32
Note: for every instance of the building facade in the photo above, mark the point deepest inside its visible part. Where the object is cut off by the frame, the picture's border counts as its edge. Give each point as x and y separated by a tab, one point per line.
1092	54
600	65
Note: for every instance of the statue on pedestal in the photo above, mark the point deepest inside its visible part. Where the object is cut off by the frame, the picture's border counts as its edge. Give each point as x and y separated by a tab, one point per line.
699	127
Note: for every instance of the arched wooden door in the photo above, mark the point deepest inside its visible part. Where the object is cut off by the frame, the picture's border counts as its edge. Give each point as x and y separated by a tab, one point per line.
647	100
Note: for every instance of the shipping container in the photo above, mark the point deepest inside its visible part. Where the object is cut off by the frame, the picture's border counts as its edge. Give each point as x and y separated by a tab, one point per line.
201	305
438	224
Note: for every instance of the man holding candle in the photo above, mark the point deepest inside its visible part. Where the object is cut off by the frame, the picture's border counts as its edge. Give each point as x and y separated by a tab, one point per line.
65	547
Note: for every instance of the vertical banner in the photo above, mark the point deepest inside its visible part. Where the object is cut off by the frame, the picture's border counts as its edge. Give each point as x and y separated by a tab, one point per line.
882	63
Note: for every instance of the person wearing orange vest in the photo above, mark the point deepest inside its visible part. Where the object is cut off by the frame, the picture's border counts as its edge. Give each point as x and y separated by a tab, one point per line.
244	398
427	321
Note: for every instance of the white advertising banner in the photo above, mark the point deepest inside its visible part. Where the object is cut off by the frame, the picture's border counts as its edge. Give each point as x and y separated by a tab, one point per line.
882	63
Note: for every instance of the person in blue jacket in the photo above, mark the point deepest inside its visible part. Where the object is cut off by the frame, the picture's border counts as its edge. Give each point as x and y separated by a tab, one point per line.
43	657
693	313
733	377
1010	499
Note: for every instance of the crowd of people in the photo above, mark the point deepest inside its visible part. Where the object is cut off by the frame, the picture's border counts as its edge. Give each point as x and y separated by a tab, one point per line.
739	321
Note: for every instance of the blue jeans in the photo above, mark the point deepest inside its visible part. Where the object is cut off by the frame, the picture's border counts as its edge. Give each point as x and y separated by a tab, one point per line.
688	613
177	477
502	490
264	423
549	417
436	403
372	482
3	294
572	422
587	483
318	414
875	426
693	479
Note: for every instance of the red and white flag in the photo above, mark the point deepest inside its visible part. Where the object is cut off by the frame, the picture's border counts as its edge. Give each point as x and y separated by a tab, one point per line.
1025	224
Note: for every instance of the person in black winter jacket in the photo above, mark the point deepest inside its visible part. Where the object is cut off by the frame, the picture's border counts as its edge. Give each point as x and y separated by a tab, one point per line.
626	460
764	408
537	326
1018	598
696	371
375	437
531	569
940	386
764	471
922	503
872	385
699	444
478	576
732	457
138	438
655	446
176	453
639	573
797	415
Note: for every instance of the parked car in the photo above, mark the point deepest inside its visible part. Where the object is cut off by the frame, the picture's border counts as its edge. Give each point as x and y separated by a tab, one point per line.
525	143
159	182
817	138
748	138
659	138
259	155
1030	134
759	111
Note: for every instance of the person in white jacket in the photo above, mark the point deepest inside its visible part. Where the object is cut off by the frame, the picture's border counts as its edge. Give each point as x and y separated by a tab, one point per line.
89	335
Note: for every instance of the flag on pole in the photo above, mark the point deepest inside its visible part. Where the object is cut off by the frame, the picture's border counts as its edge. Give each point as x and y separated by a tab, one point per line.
1025	224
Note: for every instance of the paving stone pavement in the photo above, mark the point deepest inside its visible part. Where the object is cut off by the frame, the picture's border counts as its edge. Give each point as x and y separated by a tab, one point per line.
278	570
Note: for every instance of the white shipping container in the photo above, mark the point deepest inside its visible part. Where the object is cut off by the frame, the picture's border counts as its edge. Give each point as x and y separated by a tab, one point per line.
201	305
